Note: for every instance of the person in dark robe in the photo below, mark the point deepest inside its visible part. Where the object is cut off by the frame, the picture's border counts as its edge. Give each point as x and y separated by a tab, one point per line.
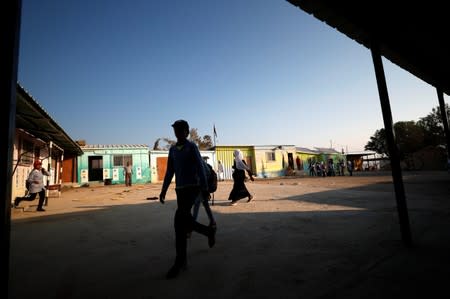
240	168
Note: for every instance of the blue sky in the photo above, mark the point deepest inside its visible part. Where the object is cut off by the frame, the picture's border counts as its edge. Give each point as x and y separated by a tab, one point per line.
264	72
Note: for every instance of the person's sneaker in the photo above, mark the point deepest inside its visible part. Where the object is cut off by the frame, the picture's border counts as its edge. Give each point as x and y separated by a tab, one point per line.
212	237
16	202
175	270
40	210
233	203
250	198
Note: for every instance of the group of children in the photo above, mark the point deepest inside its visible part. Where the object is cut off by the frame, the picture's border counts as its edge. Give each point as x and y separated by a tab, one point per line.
321	169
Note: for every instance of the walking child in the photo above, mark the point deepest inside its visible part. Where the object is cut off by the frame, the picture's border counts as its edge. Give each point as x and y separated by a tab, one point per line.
186	164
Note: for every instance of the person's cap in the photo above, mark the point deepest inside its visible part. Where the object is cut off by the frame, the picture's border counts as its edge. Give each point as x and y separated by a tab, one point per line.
181	124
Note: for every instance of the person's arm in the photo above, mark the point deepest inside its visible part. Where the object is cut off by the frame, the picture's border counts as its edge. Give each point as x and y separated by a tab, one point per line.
45	172
249	171
31	179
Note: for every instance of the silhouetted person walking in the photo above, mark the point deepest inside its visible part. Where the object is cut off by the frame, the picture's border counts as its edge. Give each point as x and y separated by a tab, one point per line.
186	164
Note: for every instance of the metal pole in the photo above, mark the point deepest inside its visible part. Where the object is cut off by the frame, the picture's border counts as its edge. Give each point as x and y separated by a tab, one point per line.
444	120
49	169
392	146
60	173
10	36
214	135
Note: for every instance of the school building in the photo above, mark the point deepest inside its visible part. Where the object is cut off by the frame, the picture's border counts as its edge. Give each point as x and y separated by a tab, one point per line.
105	164
38	136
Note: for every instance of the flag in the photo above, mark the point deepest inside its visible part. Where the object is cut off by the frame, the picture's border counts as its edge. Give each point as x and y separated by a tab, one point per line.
214	129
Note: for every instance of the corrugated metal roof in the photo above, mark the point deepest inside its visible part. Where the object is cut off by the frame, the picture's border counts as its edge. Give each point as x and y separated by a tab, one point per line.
361	153
113	146
306	150
325	150
254	146
279	146
32	117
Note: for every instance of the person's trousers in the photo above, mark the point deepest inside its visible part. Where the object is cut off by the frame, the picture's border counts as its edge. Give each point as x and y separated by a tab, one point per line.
200	200
184	222
127	179
33	197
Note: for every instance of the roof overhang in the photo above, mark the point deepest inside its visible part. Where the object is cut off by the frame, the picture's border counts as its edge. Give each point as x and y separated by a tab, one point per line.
32	118
411	35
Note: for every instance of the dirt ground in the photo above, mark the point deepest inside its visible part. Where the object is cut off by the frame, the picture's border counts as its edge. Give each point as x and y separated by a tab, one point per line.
334	237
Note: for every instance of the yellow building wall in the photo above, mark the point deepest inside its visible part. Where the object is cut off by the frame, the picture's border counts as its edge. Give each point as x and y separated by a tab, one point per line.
272	168
224	154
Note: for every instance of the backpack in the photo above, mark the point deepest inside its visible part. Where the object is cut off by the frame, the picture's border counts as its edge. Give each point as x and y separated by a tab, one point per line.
211	177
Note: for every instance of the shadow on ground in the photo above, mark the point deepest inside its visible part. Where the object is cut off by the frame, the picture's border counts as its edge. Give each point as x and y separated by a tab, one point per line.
349	246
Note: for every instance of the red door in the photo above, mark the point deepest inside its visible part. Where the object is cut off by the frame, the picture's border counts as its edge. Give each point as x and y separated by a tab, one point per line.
161	167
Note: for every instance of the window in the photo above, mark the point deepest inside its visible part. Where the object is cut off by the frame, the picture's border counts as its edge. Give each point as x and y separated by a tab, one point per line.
270	156
27	153
121	160
97	163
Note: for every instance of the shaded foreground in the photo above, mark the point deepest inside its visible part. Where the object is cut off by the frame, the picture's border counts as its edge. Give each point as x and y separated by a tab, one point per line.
299	238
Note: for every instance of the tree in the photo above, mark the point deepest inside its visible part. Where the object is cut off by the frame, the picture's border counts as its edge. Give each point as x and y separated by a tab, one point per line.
156	144
169	142
433	126
409	138
206	142
194	137
166	144
202	143
412	136
378	143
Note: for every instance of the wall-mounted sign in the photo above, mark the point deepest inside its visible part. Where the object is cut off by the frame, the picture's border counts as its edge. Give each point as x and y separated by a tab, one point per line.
106	173
84	176
115	174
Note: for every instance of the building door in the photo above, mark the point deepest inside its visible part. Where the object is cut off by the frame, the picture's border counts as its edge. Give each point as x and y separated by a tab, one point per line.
291	160
95	168
68	172
161	167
